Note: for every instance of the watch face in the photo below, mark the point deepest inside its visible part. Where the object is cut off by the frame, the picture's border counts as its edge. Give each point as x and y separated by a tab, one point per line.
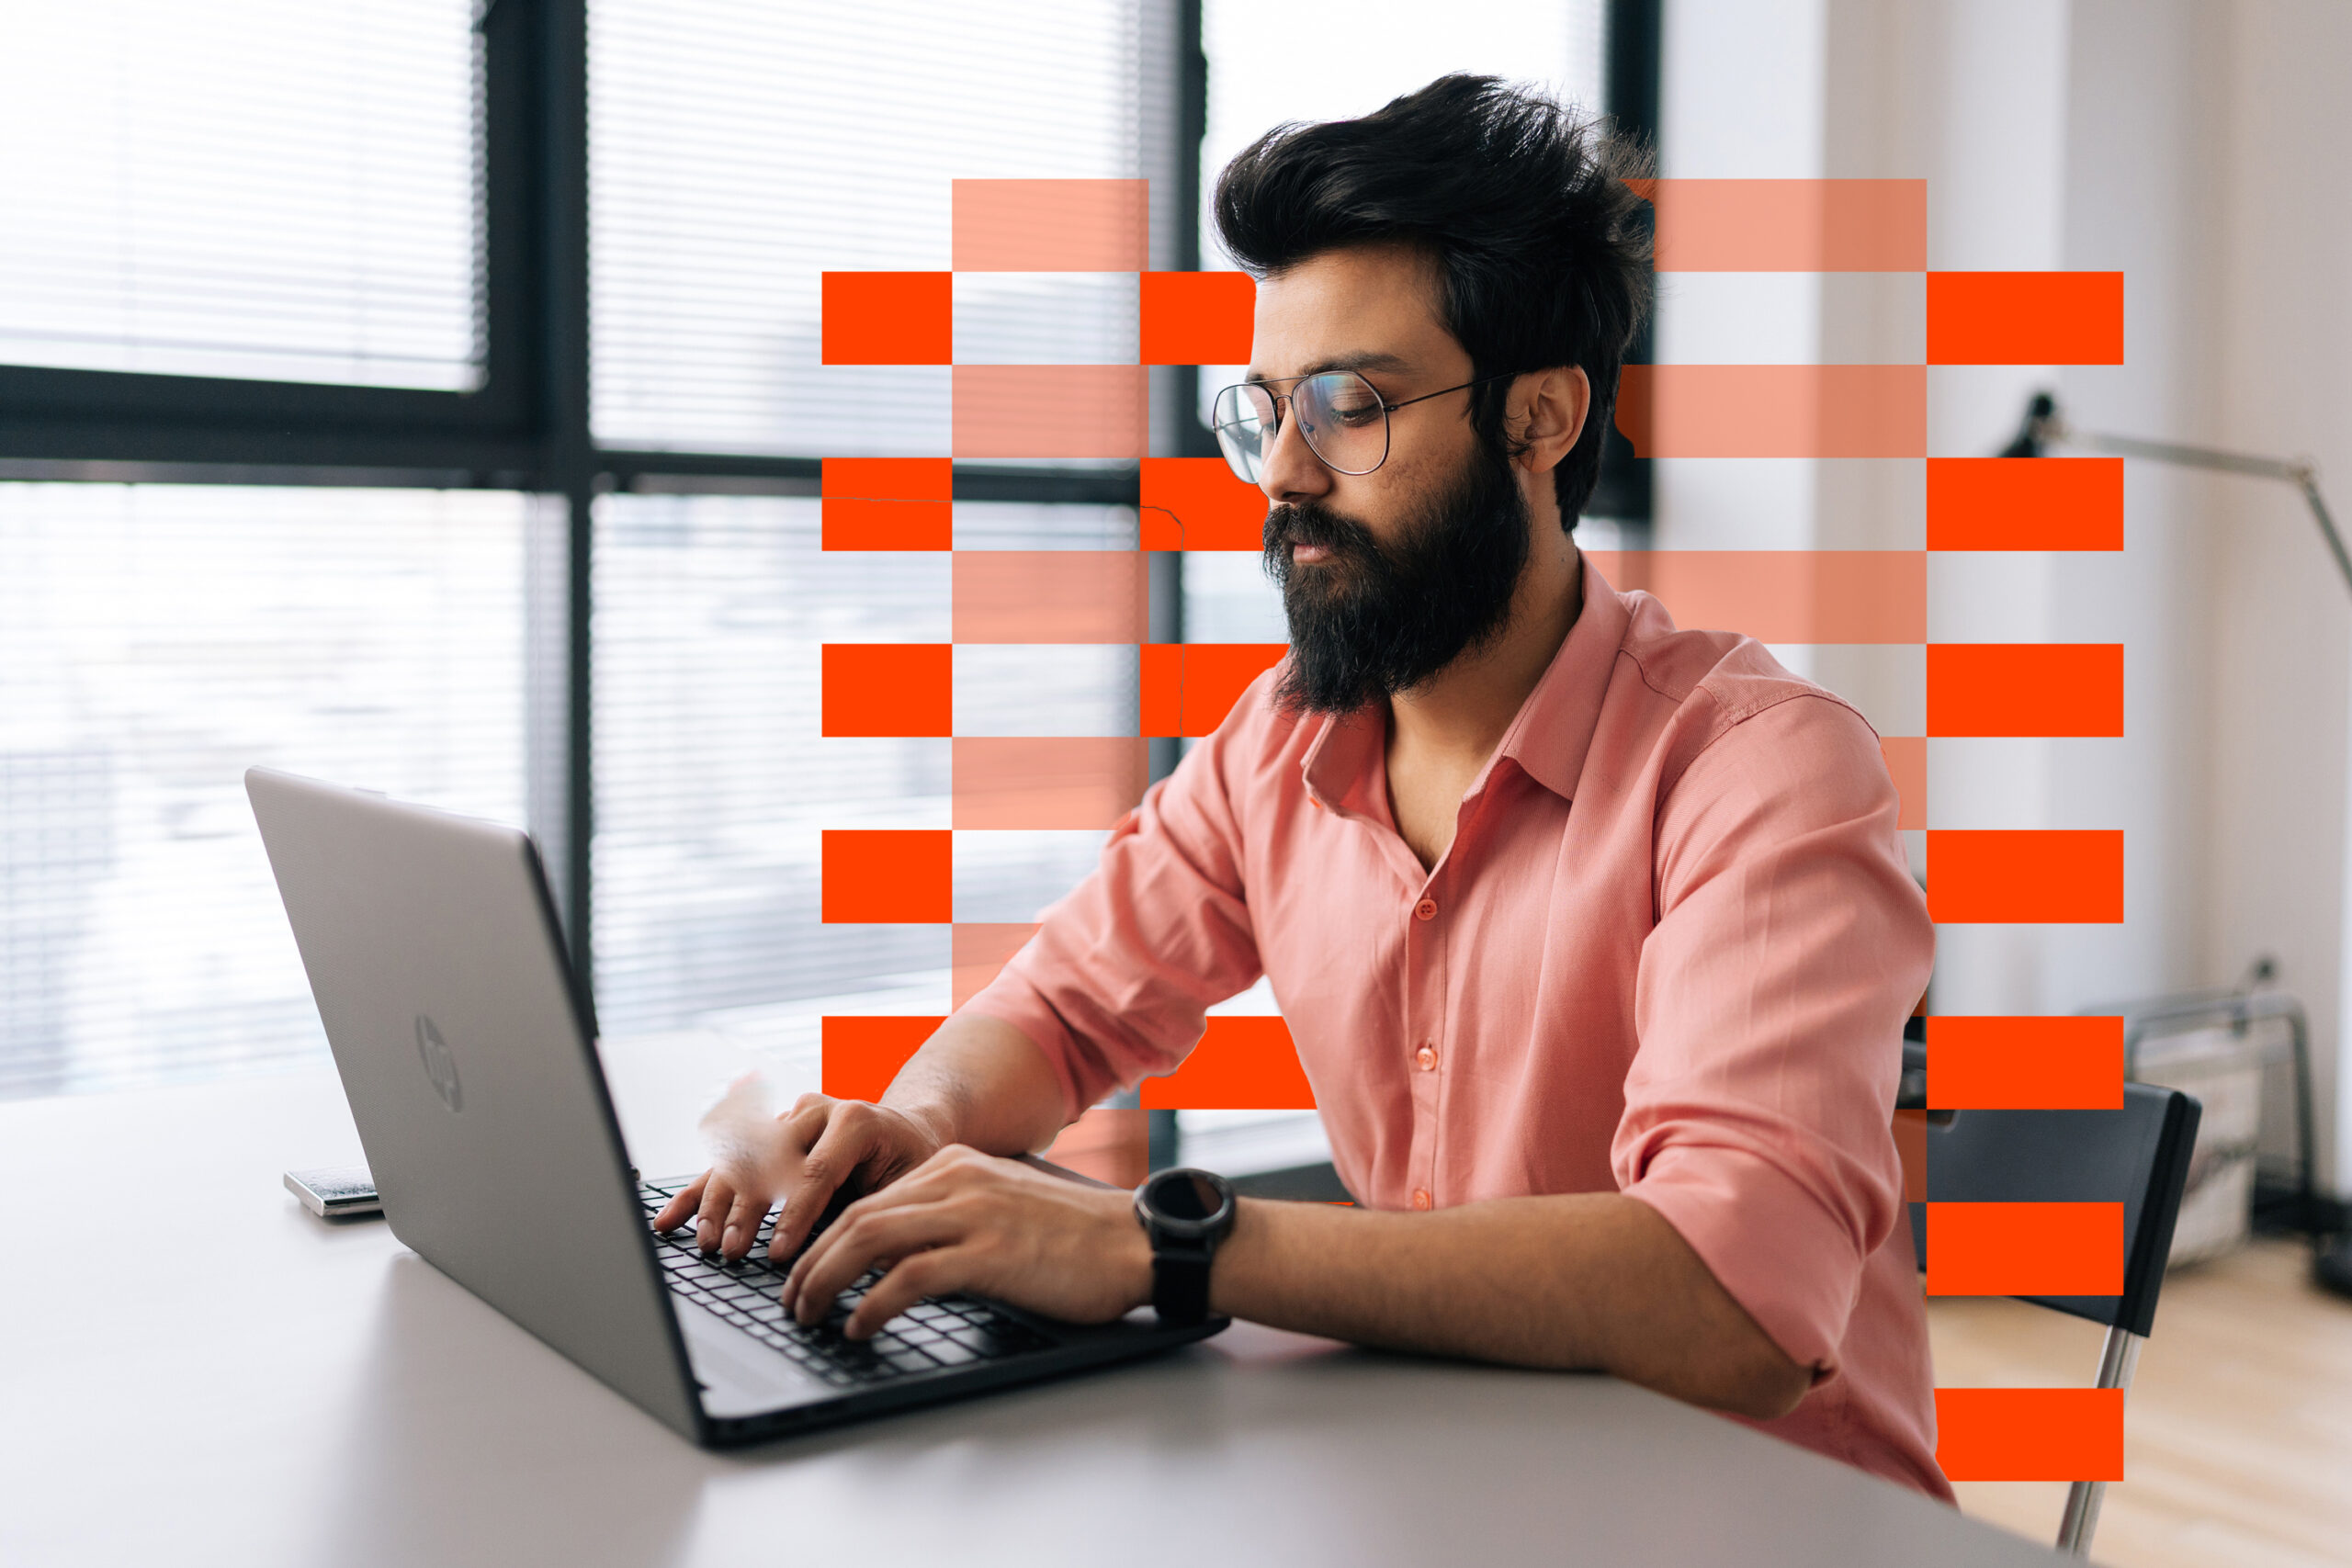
1188	1203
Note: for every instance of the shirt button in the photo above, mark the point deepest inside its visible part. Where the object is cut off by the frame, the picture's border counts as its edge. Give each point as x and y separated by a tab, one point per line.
1426	1058
1426	909
1422	1198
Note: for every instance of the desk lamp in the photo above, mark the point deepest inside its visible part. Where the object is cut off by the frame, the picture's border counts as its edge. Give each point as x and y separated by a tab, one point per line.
2045	427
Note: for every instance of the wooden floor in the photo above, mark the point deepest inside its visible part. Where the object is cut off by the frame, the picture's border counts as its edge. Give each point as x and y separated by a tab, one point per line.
2238	1430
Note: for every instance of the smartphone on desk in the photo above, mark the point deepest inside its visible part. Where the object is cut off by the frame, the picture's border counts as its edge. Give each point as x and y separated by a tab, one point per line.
335	1192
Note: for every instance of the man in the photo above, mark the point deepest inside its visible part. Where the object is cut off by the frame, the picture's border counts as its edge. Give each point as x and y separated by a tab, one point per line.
1596	937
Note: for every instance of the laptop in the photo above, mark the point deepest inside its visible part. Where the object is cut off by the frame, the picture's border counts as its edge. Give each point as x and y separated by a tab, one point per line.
433	954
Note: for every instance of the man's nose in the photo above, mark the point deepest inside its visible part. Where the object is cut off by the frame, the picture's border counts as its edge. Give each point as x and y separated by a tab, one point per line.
1292	472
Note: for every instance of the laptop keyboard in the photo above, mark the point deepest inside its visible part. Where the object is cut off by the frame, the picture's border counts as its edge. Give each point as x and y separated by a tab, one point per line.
931	1335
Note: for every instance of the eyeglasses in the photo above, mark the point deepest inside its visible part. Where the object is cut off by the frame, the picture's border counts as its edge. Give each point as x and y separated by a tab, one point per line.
1342	416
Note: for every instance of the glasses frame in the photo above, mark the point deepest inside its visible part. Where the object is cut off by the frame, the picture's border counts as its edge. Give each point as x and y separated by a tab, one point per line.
1387	442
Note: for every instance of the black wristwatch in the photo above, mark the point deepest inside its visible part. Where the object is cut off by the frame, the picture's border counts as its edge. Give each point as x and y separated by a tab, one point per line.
1186	1213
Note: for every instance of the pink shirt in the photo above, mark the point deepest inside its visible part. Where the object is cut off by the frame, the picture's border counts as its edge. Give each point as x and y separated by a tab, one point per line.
1668	954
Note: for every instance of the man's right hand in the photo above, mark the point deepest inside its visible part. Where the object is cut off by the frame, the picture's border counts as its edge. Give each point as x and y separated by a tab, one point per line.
803	1157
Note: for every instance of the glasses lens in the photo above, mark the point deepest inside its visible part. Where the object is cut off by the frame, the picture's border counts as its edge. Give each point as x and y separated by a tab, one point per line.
1244	416
1343	419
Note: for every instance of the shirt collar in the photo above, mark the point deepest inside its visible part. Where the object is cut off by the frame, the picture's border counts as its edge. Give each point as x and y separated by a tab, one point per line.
1547	739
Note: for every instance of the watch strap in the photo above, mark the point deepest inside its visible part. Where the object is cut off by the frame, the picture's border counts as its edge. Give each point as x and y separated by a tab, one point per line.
1180	1285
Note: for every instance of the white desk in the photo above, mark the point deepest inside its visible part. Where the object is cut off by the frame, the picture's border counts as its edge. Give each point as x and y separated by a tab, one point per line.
195	1370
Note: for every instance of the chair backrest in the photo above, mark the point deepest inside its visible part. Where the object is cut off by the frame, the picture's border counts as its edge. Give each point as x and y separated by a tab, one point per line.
2137	1156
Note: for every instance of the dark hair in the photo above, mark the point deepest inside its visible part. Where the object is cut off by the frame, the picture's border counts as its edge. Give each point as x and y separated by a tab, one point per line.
1522	206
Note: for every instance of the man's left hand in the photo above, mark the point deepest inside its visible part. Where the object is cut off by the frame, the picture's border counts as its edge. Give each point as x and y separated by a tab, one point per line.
966	1221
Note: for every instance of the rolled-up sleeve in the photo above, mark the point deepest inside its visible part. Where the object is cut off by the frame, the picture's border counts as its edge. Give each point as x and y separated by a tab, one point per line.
1116	983
1791	943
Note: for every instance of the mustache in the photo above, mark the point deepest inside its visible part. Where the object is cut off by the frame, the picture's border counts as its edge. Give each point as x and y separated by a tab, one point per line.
1289	525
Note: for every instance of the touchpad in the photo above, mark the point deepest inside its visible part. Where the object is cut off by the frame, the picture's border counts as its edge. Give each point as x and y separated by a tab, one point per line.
739	1376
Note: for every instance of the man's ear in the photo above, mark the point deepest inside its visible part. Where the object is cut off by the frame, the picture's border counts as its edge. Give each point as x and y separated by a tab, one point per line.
1546	415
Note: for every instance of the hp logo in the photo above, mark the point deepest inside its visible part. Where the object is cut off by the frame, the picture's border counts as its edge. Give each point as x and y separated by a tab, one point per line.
440	1065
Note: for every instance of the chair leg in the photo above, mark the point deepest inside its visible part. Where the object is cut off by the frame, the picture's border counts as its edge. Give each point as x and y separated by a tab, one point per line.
2119	1358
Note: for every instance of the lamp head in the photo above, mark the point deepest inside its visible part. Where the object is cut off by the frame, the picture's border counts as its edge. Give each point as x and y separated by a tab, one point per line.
2033	436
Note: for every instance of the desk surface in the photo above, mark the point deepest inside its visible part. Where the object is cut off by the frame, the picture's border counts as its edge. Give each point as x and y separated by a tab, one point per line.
198	1371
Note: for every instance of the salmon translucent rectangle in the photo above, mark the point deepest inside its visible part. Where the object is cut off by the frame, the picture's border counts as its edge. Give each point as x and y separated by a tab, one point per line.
1052	225
888	876
1112	1143
889	504
1188	688
1906	765
2029	1434
859	1056
2024	1250
2028	877
1911	1147
2025	318
1774	410
2025	503
1049	781
887	317
1196	318
979	951
1873	596
1242	1063
893	689
1042	413
1789	225
1032	596
2025	1063
1196	503
2033	689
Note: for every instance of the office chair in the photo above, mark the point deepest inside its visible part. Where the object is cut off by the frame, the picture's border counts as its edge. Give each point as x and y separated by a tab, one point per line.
2137	1156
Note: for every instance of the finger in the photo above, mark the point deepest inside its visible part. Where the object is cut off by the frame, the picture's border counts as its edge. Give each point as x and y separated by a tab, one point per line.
743	1217
936	1272
673	1214
853	1246
710	1222
847	1139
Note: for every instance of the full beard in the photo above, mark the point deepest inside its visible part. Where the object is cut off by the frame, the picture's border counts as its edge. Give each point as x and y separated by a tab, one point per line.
1369	620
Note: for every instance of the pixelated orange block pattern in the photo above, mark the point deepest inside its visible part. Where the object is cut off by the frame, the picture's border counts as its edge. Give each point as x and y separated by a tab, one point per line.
2025	318
1906	765
1242	1063
887	503
887	318
2029	1434
2025	1249
2025	876
1195	503
2025	503
888	877
1873	596
894	689
1774	410
1030	596
1053	781
2025	1063
1911	1143
1789	225
979	951
1196	318
1052	226
859	1056
2036	689
1188	688
1041	413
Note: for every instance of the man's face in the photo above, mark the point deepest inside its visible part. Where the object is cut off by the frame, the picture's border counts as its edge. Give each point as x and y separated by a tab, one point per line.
1386	577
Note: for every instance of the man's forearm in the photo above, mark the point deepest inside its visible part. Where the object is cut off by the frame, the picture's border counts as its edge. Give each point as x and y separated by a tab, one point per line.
981	1081
1593	1280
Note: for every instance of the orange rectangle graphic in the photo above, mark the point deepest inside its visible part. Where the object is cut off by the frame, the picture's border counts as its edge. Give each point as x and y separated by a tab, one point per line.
1196	318
894	689
1242	1063
2029	1434
980	950
1053	782
1052	225
2025	1063
1196	503
2025	318
1029	596
859	1056
2025	503
887	317
2036	689
1188	688
1041	413
1864	596
888	876
889	504
2023	1249
1774	410
1789	225
2028	877
1906	765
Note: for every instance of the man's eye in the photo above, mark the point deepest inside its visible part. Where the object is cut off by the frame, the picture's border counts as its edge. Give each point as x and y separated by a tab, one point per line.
1351	416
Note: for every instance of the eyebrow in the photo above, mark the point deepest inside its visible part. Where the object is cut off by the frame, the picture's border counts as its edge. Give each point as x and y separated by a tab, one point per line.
1365	361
